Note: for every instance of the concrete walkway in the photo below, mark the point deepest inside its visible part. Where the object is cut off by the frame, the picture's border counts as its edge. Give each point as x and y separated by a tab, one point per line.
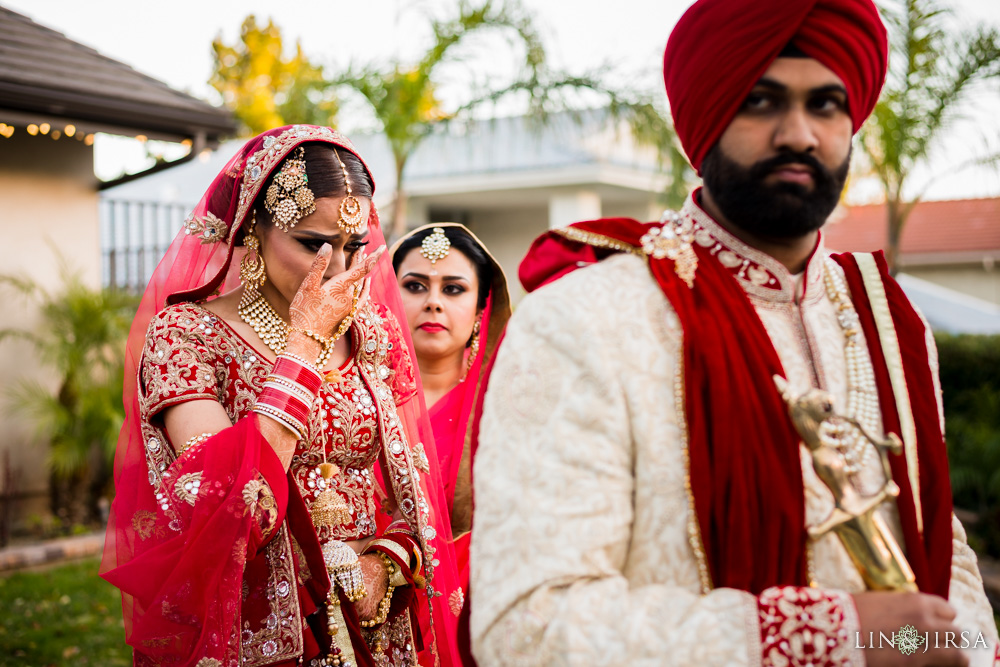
20	556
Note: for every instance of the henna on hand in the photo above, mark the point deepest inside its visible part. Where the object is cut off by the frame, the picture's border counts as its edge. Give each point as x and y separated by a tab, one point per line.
376	584
322	307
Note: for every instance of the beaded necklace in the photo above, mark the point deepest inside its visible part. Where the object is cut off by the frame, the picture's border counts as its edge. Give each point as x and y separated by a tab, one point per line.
862	392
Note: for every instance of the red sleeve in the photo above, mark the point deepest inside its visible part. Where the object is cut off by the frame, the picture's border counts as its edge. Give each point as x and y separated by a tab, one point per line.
178	362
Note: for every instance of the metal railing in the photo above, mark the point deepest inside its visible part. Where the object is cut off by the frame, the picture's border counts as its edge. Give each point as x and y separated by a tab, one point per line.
134	237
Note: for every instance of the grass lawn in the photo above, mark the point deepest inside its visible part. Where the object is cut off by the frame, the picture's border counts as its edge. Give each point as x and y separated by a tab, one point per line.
65	615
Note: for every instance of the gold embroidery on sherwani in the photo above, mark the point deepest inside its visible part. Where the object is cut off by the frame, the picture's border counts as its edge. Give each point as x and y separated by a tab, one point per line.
597	240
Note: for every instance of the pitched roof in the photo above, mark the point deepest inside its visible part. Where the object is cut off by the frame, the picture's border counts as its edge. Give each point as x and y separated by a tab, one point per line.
935	232
45	73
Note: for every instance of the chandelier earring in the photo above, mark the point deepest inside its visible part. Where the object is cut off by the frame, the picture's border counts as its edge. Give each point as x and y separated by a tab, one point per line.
473	347
252	270
350	208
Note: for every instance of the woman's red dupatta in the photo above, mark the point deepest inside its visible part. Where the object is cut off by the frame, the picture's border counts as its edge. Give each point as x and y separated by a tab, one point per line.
744	465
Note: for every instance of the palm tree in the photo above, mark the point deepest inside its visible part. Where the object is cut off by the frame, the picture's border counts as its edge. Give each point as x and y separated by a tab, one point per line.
933	71
81	335
403	97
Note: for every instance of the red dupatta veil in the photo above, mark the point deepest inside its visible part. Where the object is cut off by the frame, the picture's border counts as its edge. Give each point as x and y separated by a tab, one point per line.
202	262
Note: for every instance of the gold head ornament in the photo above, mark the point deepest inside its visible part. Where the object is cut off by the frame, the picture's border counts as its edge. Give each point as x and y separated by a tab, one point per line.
350	208
289	198
435	245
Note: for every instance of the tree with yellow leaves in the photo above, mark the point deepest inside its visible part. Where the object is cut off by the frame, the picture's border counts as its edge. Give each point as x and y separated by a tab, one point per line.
266	89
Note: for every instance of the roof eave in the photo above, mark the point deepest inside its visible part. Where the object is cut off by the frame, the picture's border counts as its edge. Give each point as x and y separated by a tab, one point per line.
125	116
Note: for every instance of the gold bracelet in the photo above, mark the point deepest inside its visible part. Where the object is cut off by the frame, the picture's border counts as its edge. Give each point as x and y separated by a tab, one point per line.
194	440
328	343
386	602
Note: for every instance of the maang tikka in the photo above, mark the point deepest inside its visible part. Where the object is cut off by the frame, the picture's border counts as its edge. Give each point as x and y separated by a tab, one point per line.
289	198
435	245
350	208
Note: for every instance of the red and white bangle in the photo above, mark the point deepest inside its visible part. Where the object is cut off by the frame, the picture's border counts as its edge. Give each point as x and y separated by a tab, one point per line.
296	369
289	392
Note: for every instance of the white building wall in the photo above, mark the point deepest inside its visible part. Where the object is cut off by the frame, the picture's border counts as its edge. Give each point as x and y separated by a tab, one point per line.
508	235
49	200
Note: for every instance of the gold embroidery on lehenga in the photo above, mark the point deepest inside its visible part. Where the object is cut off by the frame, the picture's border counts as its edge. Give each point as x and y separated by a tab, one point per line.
187	486
456	601
280	635
203	358
208	228
144	524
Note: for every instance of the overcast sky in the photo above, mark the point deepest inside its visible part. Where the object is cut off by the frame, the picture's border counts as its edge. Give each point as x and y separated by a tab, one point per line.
172	42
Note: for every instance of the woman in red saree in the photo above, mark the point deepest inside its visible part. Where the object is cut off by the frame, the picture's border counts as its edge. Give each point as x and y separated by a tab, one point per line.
268	387
457	305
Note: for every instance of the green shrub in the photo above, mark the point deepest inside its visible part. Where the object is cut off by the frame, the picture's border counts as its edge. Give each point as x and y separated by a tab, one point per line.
81	337
970	382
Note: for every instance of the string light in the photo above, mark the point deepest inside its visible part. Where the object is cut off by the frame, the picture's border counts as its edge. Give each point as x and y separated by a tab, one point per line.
70	130
56	134
6	130
89	140
141	138
44	128
32	129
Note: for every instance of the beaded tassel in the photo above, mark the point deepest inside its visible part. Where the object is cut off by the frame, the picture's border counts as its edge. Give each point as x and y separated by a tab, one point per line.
329	509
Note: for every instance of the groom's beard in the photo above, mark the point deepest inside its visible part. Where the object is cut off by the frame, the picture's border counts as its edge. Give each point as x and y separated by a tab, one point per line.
778	211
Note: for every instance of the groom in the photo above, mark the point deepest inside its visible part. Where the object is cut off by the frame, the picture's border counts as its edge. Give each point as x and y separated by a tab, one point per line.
642	496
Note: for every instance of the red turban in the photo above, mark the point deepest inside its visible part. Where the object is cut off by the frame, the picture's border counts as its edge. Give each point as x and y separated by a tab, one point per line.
720	49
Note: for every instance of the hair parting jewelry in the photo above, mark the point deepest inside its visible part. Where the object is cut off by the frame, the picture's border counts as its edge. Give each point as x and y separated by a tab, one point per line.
350	208
289	198
435	245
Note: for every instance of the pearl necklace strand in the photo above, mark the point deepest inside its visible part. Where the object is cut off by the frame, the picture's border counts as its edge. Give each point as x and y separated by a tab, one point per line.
862	392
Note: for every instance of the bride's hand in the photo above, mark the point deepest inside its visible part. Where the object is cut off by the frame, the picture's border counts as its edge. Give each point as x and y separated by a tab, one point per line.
376	584
320	307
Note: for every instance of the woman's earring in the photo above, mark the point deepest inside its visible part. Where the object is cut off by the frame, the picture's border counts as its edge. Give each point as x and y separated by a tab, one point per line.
252	272
473	346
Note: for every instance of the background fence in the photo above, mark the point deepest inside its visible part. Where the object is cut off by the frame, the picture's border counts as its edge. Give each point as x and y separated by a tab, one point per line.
134	236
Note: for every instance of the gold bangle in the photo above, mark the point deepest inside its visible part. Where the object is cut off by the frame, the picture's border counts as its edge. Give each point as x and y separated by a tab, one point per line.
194	440
386	602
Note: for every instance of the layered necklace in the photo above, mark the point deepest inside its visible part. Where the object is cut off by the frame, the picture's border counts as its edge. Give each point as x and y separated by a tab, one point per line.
257	312
862	392
261	316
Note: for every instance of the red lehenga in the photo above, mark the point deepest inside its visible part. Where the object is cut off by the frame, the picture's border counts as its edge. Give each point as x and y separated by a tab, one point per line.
213	546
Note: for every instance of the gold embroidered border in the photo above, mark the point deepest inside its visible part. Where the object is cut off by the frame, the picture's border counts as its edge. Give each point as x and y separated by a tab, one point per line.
894	360
694	531
598	240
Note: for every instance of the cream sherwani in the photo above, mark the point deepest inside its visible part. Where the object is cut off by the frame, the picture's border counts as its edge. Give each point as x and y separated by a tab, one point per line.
582	552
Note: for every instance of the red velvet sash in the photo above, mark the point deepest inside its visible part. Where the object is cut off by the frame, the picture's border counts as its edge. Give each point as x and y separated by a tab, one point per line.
744	453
